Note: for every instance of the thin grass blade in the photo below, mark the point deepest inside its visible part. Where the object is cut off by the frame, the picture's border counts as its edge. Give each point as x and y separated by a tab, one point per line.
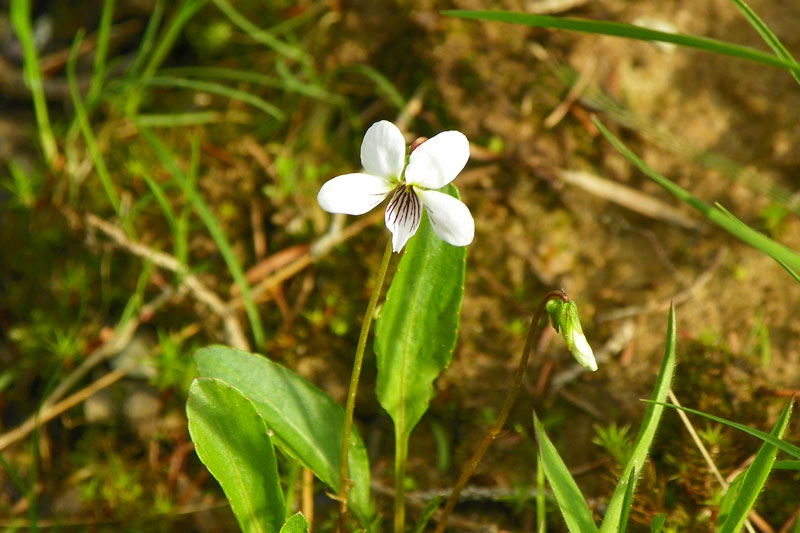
756	476
216	88
763	30
775	250
617	29
782	445
20	14
212	225
568	496
617	504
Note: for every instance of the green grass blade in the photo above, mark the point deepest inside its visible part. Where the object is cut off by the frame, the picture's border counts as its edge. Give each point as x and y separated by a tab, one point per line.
149	37
567	494
541	497
286	83
627	502
101	51
181	120
381	82
782	445
86	128
20	12
616	29
763	30
755	476
161	200
212	225
744	227
786	465
426	514
761	242
216	88
184	12
260	35
616	505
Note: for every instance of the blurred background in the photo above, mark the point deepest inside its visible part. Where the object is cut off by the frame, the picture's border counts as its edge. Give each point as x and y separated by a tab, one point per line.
179	158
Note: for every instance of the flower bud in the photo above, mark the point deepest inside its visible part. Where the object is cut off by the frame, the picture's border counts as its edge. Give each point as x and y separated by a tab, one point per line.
564	316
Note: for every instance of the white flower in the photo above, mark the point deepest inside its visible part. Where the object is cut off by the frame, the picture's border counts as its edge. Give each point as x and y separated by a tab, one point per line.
432	165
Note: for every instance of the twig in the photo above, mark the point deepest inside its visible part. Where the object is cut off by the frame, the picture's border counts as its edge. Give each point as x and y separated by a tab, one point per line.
233	330
637	201
573	95
753	516
48	412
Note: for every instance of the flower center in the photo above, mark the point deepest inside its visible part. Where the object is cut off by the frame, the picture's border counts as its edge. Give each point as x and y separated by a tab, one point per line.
404	206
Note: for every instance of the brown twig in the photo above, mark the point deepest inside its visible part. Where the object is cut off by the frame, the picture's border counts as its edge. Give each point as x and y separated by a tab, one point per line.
233	330
50	410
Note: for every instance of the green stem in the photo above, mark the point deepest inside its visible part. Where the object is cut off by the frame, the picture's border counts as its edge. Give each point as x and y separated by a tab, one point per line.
344	482
500	421
400	454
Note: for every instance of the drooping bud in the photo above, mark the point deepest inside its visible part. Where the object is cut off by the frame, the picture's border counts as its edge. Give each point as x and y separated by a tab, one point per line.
564	316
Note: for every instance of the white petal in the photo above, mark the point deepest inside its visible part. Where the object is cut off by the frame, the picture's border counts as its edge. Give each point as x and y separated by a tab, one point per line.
402	216
582	351
450	218
437	161
383	150
353	194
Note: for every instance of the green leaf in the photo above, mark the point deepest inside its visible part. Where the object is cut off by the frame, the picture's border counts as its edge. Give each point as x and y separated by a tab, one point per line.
418	325
755	476
295	524
787	465
647	431
784	256
616	505
782	445
427	513
657	523
616	29
728	498
627	502
567	494
306	423
232	441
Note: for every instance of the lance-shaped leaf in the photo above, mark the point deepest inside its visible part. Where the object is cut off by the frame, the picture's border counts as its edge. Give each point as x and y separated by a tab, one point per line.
232	441
566	492
418	325
619	499
755	477
305	421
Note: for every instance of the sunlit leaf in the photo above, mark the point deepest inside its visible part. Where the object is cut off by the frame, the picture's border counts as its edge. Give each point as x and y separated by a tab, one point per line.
616	505
617	29
295	524
306	423
418	324
755	477
566	492
232	441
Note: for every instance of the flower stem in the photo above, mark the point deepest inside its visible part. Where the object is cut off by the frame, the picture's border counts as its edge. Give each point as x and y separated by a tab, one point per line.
344	481
500	421
400	455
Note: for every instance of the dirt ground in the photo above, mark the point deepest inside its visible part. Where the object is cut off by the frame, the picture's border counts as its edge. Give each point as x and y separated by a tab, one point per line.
720	127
